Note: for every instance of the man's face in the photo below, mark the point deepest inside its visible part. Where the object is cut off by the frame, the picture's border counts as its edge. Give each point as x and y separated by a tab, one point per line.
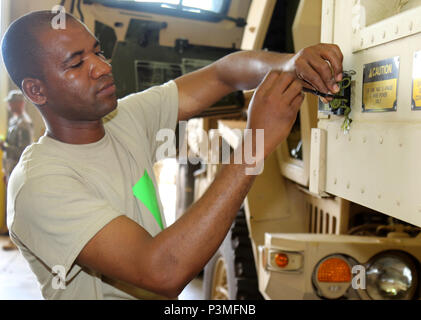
79	83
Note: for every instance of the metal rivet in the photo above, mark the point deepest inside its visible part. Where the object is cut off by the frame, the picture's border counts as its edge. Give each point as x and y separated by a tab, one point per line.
335	181
411	26
362	42
349	138
379	196
381	140
398	203
364	140
396	29
372	38
348	185
362	191
384	34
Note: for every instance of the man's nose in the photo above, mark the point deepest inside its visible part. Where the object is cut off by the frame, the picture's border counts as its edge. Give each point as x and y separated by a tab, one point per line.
99	67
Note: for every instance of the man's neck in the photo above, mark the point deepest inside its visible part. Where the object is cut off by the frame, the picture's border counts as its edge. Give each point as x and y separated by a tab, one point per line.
82	134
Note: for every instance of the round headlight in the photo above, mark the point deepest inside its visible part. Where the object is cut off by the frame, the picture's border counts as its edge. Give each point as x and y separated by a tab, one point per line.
332	276
391	276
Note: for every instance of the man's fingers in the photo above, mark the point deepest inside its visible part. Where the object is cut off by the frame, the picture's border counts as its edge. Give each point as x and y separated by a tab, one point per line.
285	88
305	83
324	71
321	66
294	90
268	82
280	85
340	58
285	81
324	100
334	56
298	100
311	76
338	51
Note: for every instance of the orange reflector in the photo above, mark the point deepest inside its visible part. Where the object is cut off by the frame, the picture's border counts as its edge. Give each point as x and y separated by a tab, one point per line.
334	270
281	260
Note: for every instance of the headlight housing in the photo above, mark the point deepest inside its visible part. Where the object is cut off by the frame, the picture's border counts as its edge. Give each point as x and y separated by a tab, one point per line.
332	276
391	275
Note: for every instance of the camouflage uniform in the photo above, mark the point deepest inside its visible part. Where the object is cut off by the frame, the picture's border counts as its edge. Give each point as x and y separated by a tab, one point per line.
19	136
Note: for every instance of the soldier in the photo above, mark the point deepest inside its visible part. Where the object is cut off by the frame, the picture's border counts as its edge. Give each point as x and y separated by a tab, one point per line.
19	136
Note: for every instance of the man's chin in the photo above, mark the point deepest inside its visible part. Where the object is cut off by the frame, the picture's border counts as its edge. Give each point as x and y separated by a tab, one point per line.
114	102
109	106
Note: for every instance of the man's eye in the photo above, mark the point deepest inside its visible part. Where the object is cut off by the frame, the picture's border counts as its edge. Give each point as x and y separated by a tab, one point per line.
77	65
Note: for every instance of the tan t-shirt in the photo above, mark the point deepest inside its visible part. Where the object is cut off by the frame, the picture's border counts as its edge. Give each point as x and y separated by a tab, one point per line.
60	195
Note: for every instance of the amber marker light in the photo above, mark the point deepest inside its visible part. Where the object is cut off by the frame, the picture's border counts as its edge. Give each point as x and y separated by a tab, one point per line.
334	270
281	260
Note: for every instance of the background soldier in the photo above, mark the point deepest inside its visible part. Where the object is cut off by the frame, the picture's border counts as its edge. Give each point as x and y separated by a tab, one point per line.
19	136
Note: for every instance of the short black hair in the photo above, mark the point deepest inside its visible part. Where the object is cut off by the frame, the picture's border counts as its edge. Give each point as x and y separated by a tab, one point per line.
21	48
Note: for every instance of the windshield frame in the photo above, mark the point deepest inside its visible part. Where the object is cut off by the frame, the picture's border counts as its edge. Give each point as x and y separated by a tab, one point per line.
169	10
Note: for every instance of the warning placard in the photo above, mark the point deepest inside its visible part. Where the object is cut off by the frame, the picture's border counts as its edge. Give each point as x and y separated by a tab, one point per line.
416	82
380	85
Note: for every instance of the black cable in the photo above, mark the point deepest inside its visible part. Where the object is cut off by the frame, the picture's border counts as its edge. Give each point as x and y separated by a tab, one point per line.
62	3
72	7
79	9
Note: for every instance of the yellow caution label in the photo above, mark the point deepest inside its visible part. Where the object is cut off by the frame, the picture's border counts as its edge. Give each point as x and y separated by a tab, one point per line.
416	82
416	93
380	85
380	70
380	95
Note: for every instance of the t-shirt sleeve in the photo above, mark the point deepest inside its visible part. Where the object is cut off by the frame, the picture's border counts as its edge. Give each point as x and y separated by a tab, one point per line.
55	216
152	110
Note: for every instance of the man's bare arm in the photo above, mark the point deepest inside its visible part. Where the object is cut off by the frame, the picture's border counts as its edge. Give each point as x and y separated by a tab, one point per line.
244	70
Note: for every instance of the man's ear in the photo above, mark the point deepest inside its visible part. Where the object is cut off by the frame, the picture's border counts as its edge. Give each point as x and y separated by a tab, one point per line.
34	90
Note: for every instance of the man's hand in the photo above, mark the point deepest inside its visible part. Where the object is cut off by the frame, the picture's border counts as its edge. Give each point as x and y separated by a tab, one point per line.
319	67
274	107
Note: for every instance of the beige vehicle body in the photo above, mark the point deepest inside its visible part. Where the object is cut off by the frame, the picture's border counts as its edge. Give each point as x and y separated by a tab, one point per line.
371	166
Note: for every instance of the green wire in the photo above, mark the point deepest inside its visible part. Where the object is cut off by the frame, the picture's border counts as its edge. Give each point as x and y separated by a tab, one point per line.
343	103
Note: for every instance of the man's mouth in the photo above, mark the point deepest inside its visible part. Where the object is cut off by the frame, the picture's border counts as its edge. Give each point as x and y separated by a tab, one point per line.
108	89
